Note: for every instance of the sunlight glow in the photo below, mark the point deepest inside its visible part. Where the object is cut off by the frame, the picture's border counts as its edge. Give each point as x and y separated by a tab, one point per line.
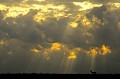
40	17
56	46
86	22
72	55
114	6
73	24
35	50
86	5
104	50
15	11
2	7
93	51
2	42
49	10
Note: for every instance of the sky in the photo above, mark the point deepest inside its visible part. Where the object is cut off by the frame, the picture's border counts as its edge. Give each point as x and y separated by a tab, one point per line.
60	36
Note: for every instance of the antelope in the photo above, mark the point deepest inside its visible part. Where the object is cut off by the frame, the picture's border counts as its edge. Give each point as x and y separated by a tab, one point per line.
93	72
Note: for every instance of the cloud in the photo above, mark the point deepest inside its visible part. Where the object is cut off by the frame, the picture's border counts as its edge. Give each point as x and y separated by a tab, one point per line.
42	41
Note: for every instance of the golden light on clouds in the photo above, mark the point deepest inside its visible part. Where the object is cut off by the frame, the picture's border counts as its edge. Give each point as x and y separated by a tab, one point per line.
3	42
86	22
40	17
48	7
104	50
15	11
2	7
49	10
93	51
24	1
59	11
118	25
116	5
78	49
58	15
59	32
82	19
56	46
73	24
113	6
72	55
23	8
86	5
35	50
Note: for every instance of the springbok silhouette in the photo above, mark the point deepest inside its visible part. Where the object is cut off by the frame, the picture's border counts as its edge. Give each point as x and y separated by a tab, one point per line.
93	72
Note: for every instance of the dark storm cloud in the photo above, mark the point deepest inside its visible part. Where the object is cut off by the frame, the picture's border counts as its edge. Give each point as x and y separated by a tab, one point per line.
106	32
23	33
23	25
54	29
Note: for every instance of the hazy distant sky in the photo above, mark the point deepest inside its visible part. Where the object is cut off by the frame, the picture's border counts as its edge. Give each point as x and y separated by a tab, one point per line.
59	36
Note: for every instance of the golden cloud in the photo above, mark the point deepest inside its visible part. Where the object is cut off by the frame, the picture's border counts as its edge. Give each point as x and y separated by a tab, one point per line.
72	53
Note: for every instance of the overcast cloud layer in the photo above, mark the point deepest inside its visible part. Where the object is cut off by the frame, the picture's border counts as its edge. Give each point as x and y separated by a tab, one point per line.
59	36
